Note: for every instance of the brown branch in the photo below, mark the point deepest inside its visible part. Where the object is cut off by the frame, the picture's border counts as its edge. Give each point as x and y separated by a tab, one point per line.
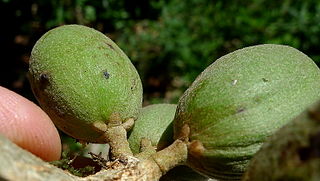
18	164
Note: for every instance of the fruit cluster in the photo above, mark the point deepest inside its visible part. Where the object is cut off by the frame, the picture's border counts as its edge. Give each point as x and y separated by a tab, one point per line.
91	91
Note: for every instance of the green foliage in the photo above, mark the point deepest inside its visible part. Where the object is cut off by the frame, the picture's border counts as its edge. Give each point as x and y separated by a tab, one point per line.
188	36
171	42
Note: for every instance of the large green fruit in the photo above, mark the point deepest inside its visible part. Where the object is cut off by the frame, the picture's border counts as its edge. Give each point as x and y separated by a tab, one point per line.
83	80
153	123
238	101
292	153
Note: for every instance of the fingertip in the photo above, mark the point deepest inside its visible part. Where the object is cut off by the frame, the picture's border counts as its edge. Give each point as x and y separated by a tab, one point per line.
25	124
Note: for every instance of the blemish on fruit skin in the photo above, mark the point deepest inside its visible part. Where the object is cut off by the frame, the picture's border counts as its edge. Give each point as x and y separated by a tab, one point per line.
241	109
106	74
234	82
44	80
133	85
110	46
44	77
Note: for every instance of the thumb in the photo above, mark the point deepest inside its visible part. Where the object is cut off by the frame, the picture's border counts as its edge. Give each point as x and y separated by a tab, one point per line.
25	124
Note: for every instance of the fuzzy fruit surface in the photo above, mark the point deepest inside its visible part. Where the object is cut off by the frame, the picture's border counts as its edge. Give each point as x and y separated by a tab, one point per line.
153	123
240	100
83	80
292	153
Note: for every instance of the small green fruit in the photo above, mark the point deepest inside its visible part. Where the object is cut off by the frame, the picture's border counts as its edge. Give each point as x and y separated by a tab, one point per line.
292	153
153	123
84	81
240	100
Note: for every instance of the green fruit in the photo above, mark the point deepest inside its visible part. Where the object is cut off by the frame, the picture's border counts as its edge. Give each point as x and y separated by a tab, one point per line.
238	101
83	80
153	123
292	153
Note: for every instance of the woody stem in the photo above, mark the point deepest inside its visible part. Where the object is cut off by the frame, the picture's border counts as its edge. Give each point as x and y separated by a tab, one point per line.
117	139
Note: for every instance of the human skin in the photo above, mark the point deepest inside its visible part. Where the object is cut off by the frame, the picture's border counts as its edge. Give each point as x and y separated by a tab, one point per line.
26	125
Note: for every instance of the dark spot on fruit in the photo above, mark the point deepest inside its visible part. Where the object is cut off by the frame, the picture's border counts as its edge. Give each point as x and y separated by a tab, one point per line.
133	85
313	150
110	46
241	109
106	74
44	77
44	80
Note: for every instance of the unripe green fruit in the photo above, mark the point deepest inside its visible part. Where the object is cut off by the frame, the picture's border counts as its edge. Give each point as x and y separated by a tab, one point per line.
240	100
292	153
83	80
153	123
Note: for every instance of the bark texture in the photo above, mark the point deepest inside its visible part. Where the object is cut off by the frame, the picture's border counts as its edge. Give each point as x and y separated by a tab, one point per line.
18	164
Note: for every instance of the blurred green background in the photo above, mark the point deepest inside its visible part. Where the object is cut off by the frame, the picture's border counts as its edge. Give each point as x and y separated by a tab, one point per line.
169	41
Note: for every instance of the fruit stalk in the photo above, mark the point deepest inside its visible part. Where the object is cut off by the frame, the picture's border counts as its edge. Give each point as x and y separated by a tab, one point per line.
152	168
174	155
117	139
146	149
